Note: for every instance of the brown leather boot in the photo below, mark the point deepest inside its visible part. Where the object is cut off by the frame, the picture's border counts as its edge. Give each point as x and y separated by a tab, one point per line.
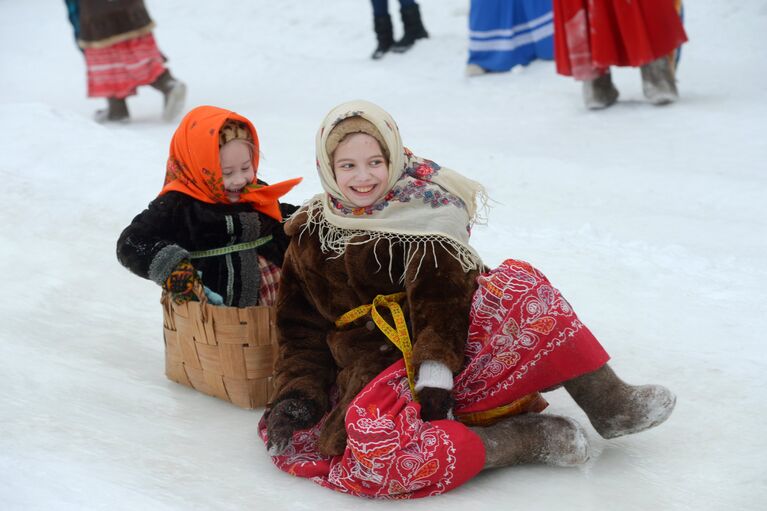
616	408
533	438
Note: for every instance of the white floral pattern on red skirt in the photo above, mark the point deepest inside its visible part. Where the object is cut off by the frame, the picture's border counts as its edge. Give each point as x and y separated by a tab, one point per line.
524	337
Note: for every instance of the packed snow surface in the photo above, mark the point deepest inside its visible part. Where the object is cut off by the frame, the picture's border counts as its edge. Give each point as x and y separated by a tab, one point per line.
650	220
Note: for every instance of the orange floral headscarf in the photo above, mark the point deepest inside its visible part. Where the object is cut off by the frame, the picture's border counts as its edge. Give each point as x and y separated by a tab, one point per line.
194	165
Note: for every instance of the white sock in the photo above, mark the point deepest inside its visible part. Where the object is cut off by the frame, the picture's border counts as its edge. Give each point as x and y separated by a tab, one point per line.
434	374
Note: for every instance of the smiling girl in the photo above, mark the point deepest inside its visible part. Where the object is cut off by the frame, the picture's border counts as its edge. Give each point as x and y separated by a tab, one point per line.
213	218
405	365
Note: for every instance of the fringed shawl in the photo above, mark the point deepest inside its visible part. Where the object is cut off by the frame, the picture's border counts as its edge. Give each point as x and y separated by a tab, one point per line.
426	206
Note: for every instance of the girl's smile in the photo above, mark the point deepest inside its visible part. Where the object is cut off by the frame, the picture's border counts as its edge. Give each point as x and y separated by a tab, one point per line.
361	170
236	168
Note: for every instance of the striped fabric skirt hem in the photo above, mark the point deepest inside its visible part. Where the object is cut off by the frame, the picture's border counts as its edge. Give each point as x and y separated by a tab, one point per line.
507	33
117	70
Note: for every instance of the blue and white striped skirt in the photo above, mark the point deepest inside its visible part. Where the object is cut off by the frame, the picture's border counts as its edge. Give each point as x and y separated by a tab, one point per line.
507	33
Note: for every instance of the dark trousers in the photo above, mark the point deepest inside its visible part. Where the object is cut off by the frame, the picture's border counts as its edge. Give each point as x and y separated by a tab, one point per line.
381	7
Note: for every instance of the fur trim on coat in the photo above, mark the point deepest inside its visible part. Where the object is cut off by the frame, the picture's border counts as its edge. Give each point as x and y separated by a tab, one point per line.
316	288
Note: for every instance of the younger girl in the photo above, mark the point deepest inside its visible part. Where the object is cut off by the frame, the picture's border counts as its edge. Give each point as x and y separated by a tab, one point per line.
213	219
390	326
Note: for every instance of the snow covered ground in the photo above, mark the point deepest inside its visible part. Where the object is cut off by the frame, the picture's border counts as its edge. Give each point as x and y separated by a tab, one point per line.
650	220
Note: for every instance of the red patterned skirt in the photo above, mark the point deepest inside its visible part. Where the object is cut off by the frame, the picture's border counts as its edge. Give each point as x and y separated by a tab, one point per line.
592	35
524	337
117	70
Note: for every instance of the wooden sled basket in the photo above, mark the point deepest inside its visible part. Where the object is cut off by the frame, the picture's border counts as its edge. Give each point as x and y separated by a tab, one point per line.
225	352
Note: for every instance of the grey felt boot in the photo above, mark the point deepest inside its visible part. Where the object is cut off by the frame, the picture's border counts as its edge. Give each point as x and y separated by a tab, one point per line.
600	92
616	408
659	82
174	95
534	438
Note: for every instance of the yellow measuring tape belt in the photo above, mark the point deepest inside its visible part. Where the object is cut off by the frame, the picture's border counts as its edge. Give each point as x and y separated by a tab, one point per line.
530	402
397	334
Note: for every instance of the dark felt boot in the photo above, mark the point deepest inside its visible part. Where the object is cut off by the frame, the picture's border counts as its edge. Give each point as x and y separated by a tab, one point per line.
534	438
659	82
174	94
616	408
414	29
599	93
384	35
116	111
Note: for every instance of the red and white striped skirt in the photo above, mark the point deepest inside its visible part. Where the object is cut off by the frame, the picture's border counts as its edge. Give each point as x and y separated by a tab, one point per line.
117	70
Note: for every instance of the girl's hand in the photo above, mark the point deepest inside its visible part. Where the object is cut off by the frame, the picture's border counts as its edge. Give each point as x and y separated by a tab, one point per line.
436	403
284	419
180	283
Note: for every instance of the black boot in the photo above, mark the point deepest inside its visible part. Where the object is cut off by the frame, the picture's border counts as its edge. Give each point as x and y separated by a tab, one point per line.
116	111
174	94
384	34
414	29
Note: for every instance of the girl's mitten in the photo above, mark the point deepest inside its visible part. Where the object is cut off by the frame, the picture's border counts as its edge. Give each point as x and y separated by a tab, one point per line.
180	283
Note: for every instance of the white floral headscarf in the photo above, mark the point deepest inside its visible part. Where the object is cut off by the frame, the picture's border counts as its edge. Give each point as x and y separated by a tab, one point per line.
425	204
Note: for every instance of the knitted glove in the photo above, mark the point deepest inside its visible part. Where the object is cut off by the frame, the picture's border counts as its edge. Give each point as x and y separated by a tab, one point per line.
180	283
284	419
436	403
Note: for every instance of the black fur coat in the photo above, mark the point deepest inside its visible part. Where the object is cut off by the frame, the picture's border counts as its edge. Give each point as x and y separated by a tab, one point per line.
174	224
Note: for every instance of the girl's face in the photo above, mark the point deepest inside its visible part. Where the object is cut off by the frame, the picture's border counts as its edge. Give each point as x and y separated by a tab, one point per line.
361	170
236	168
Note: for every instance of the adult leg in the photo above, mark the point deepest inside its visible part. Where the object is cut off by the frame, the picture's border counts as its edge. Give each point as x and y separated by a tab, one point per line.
600	92
616	408
383	28
534	438
413	26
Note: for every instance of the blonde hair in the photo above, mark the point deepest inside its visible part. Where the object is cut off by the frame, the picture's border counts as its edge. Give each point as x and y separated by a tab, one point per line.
251	146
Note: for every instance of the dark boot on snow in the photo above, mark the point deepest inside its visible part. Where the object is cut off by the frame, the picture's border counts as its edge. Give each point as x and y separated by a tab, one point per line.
116	111
414	29
616	408
534	438
384	34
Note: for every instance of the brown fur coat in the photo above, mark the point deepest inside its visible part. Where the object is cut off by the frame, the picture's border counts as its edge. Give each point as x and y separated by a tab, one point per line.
316	289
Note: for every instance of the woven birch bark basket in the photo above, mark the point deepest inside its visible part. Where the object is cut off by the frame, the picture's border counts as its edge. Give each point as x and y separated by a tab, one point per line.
225	352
